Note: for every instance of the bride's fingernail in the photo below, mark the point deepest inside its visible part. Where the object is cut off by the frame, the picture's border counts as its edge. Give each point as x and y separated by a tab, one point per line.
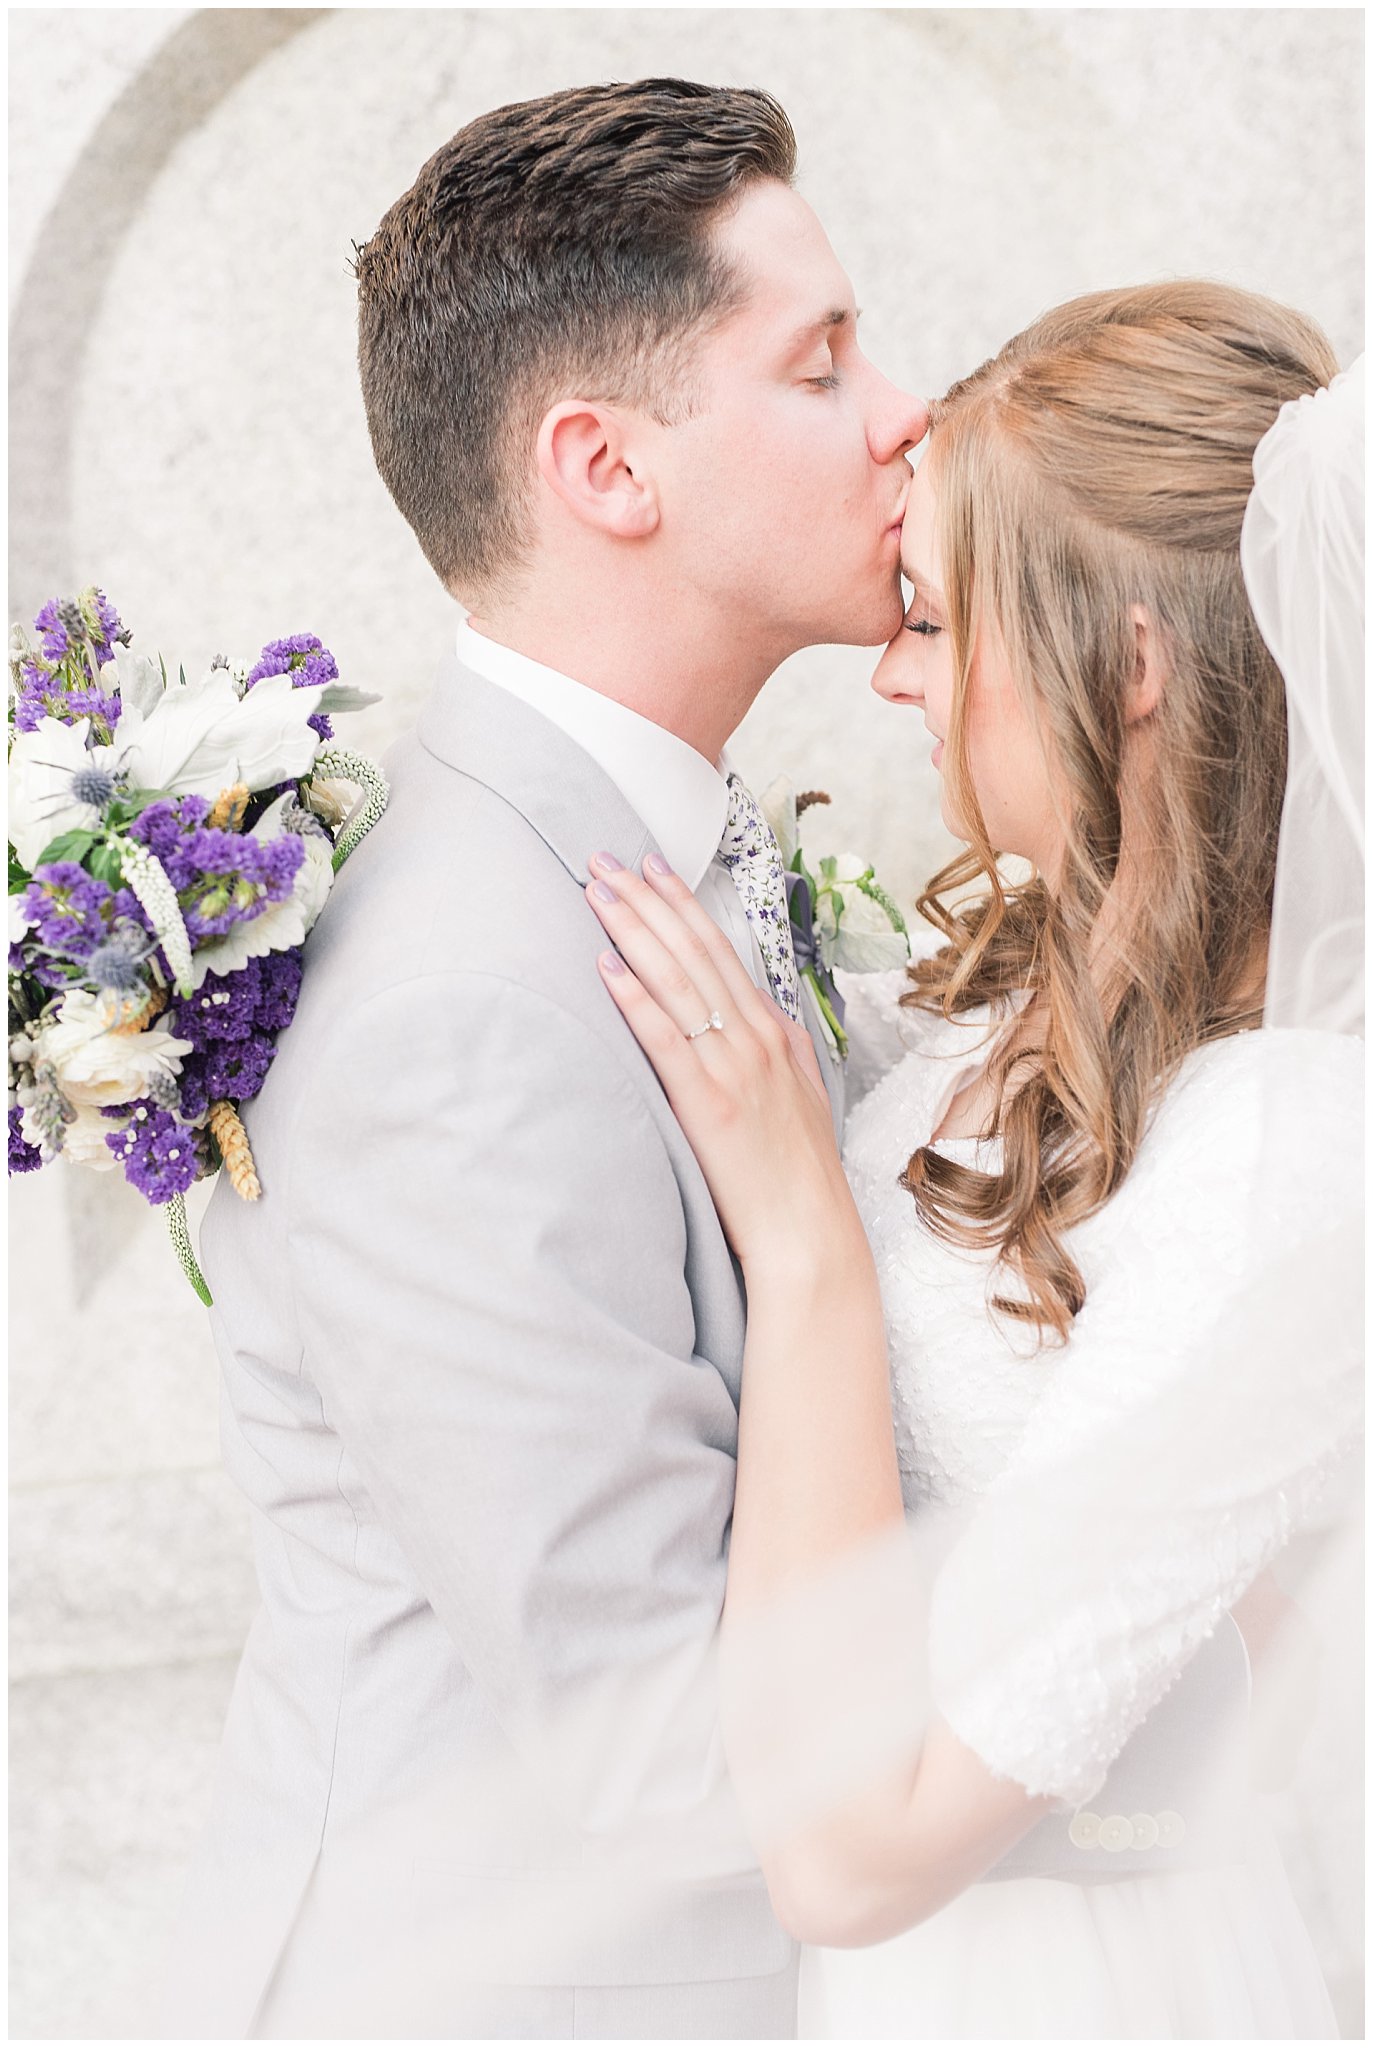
656	865
607	861
611	963
603	892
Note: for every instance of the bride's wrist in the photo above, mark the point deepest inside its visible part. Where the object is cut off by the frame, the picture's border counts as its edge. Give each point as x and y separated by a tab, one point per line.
813	1240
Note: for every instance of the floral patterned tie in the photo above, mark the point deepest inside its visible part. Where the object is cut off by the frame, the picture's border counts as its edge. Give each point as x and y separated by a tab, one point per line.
750	852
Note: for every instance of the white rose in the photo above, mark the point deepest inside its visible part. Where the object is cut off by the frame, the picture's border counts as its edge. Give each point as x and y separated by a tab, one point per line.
867	942
96	1067
83	1141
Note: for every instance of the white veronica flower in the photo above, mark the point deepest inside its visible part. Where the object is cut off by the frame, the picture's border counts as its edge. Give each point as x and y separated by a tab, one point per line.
281	925
201	737
97	1067
42	763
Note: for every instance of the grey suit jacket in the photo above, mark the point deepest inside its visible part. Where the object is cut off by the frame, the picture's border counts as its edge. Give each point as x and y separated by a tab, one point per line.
481	1341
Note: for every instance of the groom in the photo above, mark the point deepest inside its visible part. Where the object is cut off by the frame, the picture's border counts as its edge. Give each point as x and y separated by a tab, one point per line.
482	1335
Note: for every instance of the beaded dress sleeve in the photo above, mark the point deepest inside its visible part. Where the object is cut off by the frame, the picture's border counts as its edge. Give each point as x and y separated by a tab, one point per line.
1172	1453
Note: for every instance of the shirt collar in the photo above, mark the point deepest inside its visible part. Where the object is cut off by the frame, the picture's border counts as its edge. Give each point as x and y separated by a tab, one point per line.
681	799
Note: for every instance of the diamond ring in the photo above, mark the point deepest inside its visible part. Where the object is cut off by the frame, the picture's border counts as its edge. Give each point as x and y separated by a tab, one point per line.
714	1022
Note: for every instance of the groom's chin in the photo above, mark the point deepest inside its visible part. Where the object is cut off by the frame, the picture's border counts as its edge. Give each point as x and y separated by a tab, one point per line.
877	624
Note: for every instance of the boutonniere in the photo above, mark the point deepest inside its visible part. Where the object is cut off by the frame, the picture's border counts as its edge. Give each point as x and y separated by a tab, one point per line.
840	914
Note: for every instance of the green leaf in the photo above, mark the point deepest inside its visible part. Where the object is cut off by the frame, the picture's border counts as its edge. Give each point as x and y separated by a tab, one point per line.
880	896
800	866
125	809
829	866
19	876
106	865
67	846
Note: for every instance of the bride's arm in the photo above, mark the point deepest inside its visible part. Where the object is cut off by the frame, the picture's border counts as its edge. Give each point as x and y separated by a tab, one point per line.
817	1474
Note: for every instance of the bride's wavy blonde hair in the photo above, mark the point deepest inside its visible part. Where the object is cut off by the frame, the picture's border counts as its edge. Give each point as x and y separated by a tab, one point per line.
1103	461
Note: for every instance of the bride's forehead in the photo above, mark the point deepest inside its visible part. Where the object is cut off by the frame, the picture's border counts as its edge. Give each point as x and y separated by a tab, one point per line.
921	561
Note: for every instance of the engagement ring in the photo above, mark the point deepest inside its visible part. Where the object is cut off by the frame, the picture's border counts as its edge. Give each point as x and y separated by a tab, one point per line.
714	1022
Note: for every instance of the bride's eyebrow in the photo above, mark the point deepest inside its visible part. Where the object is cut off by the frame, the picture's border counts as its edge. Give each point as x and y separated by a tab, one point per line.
922	584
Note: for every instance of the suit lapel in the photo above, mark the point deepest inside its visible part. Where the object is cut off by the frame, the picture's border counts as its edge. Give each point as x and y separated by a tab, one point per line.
522	757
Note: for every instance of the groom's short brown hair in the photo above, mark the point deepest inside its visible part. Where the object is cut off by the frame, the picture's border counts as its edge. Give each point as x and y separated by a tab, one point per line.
559	247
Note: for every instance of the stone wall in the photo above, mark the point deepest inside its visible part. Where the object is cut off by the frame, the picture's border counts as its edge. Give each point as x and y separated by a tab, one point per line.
186	430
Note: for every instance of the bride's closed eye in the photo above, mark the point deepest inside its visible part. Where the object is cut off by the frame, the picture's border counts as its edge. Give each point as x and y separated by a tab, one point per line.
922	625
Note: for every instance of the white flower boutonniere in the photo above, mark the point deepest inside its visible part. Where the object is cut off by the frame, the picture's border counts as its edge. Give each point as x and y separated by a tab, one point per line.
841	916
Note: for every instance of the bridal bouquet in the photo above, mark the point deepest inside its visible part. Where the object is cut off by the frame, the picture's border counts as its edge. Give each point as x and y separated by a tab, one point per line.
840	914
171	844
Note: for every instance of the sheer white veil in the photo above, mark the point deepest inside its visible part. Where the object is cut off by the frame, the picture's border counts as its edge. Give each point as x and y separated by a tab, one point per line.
1302	552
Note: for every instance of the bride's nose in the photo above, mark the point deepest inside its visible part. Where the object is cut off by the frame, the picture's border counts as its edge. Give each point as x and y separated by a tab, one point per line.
896	678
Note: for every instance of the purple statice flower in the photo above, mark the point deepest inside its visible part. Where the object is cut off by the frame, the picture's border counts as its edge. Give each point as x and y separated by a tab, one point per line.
57	625
231	879
232	1021
108	626
163	826
305	658
66	907
33	699
64	624
156	1150
24	1157
101	705
221	878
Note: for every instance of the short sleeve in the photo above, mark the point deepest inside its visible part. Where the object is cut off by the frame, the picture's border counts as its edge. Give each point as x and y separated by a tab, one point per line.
1206	1400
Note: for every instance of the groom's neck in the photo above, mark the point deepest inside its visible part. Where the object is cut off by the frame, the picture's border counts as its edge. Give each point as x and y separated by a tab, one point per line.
668	661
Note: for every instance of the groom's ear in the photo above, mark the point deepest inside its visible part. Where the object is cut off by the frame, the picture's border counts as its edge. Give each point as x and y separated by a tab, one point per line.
589	458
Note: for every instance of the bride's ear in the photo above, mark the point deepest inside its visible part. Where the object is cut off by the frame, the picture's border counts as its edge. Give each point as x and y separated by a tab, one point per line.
589	460
1145	687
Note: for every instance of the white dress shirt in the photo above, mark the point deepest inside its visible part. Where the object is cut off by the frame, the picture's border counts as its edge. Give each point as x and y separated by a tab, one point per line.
681	798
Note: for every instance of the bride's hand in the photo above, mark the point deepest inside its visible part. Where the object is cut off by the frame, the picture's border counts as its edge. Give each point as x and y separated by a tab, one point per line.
748	1095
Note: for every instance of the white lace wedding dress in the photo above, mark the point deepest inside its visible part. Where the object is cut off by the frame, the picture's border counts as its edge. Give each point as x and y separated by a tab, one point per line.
1100	1924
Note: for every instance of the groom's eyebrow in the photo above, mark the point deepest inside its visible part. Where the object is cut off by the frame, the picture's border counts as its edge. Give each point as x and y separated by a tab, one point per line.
837	316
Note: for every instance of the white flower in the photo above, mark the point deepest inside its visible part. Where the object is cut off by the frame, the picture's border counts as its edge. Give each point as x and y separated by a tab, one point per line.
848	867
778	805
19	920
42	806
83	1140
140	680
867	942
333	801
145	875
199	738
281	925
97	1067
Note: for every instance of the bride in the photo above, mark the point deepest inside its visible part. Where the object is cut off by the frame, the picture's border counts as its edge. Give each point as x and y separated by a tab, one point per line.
1083	1291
